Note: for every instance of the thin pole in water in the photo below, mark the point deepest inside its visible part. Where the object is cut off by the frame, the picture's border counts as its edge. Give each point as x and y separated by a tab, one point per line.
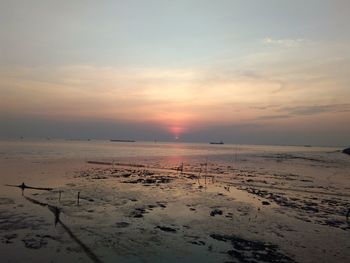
206	171
78	198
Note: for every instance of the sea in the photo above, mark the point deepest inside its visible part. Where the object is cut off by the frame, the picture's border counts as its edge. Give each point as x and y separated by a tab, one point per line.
107	149
328	165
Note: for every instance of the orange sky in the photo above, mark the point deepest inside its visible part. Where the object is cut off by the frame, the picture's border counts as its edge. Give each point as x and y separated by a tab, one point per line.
183	69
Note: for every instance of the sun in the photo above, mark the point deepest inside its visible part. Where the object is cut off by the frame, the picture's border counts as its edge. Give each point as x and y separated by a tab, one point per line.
176	131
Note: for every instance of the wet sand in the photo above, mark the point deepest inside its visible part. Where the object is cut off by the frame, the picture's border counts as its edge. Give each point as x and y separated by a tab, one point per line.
270	208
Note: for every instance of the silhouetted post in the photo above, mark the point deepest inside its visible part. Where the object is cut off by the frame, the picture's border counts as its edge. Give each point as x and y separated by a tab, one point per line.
206	170
182	167
78	198
59	195
23	186
56	212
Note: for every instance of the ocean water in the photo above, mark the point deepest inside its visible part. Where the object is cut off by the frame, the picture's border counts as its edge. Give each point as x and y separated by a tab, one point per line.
106	149
324	166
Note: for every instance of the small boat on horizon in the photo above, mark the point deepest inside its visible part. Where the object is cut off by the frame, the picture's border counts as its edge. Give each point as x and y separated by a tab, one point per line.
122	140
221	142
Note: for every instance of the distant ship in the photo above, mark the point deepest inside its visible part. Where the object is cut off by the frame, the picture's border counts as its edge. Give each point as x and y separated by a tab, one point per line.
122	140
221	142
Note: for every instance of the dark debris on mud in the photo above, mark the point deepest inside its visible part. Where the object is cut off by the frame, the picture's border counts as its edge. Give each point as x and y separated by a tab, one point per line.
249	251
166	229
37	241
216	212
320	210
144	176
151	180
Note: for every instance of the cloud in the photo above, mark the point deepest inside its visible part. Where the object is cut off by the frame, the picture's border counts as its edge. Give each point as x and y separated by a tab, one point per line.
170	95
191	98
272	117
283	113
287	42
316	109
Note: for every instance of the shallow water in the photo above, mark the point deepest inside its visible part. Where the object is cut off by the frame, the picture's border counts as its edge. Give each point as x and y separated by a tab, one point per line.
124	216
101	149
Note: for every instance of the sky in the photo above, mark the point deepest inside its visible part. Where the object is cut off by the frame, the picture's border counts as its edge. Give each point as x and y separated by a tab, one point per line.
241	71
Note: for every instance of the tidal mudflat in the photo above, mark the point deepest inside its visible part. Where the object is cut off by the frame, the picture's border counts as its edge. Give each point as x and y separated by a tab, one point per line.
230	204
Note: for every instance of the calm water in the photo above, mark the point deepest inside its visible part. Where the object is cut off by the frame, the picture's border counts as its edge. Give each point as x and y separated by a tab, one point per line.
319	162
106	149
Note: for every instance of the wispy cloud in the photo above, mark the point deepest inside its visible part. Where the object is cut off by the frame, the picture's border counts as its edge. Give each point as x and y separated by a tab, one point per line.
279	112
273	117
316	109
286	42
186	97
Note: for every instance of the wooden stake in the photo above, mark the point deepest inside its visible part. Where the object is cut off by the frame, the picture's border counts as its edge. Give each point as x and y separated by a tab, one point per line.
206	170
78	198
